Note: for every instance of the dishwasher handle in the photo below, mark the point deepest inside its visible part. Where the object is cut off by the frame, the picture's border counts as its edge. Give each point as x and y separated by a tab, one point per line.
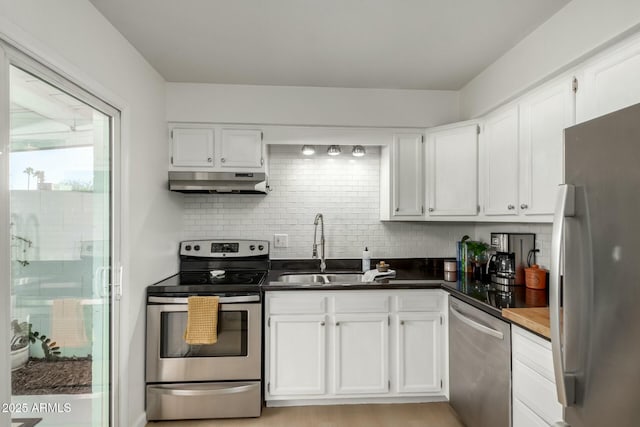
475	325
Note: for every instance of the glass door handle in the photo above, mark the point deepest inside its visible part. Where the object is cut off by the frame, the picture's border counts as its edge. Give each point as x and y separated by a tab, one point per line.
100	285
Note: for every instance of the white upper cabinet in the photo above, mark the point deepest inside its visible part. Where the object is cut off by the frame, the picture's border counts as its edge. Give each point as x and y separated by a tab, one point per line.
216	148
499	170
610	81
452	170
192	147
544	114
408	176
241	148
402	178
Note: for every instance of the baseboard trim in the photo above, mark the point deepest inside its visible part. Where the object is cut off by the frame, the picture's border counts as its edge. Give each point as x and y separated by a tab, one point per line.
359	401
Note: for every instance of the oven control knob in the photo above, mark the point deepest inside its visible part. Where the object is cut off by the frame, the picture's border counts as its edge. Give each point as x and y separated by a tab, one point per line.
187	248
252	247
260	247
196	247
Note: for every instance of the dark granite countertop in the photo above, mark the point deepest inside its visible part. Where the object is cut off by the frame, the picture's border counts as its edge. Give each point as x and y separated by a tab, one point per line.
412	273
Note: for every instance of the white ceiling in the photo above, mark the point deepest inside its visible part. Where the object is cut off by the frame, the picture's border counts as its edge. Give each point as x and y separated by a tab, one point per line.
402	44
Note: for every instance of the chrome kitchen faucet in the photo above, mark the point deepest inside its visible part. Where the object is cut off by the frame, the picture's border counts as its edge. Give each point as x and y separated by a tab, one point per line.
314	254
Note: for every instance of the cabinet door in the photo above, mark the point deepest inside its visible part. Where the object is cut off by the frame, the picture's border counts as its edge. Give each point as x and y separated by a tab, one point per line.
241	148
361	360
419	349
192	147
499	145
610	82
452	171
407	176
543	117
297	348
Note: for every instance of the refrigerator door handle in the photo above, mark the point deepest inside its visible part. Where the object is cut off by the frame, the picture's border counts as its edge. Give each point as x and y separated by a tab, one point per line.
565	207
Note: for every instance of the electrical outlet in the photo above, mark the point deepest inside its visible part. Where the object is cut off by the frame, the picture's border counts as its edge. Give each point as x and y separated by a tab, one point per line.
281	240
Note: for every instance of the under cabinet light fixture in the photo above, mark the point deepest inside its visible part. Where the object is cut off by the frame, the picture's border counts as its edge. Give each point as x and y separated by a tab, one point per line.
334	150
358	151
308	150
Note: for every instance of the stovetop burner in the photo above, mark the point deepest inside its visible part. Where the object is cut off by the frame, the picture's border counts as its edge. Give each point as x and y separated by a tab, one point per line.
225	278
213	267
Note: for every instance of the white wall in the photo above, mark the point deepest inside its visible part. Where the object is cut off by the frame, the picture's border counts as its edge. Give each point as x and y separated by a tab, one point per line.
575	32
192	102
76	38
344	189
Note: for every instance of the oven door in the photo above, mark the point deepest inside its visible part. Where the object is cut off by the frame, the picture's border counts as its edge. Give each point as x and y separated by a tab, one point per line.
236	355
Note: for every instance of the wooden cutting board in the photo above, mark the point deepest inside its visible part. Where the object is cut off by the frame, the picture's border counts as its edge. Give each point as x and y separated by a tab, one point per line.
535	319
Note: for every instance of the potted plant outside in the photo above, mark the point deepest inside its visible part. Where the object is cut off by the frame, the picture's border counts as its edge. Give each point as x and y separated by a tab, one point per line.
23	335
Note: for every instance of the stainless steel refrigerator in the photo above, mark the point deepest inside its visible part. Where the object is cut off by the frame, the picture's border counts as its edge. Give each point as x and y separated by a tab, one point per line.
595	306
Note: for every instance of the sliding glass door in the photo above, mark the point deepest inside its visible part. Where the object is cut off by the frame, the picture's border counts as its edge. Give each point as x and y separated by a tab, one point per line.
61	251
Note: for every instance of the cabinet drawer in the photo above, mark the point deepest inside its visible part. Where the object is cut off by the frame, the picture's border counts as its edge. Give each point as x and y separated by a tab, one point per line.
536	392
420	302
297	304
525	417
359	303
534	352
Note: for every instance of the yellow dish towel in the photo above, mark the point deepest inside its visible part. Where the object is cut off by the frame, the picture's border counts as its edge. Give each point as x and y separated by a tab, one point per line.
202	320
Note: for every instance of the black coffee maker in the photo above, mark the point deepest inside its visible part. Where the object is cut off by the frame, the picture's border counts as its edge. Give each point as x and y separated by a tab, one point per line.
502	268
506	266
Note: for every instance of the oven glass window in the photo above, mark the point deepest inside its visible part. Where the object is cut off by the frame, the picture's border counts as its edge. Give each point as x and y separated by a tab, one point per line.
232	336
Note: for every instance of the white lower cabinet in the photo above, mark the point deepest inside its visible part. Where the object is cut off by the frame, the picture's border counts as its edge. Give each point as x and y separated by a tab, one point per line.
361	353
297	361
535	401
369	345
419	354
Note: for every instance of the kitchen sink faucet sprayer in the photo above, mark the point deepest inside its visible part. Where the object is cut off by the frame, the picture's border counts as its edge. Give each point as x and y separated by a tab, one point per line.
314	254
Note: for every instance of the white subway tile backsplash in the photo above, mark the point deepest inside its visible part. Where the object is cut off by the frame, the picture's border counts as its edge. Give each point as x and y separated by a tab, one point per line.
346	191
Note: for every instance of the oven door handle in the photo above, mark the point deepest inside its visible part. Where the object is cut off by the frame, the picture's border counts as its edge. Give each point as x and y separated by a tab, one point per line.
223	300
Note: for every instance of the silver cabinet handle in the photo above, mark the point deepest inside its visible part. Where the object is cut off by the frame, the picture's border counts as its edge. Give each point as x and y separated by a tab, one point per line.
223	160
477	326
321	323
397	209
565	207
402	322
209	159
511	207
337	323
430	209
524	206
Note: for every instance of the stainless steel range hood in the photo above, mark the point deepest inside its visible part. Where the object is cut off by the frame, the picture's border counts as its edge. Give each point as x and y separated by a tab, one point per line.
218	182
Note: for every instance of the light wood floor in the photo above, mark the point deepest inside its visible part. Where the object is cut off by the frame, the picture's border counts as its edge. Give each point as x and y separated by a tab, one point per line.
392	415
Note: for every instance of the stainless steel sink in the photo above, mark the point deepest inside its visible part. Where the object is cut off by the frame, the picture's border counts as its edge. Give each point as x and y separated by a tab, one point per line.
301	278
344	278
322	279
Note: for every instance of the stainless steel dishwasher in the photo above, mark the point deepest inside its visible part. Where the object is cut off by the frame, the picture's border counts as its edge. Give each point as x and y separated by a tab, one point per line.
479	366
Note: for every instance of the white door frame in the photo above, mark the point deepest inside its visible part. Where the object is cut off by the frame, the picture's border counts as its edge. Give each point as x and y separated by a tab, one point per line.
12	55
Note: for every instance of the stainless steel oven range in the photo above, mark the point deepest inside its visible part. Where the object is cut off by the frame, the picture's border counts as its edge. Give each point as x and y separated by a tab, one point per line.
221	380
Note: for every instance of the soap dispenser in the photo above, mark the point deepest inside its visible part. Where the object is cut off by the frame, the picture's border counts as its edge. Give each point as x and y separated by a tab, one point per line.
366	260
